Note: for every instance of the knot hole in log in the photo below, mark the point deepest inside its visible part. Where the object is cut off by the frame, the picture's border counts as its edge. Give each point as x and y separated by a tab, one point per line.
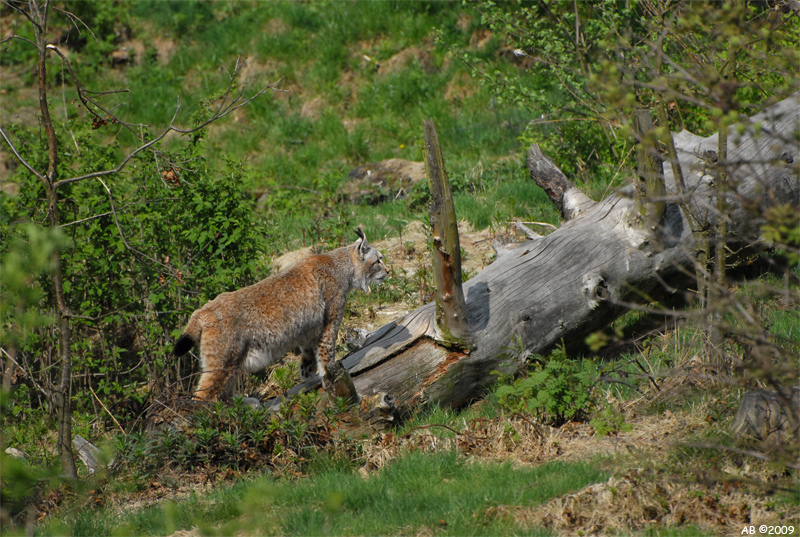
595	289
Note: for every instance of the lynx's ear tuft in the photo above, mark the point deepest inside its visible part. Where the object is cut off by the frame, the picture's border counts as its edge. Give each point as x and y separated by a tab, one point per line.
362	248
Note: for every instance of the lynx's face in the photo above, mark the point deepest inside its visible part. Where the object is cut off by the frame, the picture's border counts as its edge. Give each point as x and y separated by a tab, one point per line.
370	268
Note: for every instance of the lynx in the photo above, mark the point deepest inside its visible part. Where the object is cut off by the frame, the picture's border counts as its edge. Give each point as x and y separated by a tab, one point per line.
254	327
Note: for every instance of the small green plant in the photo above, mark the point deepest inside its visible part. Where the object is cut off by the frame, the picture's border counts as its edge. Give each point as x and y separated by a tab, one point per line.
609	422
284	376
556	389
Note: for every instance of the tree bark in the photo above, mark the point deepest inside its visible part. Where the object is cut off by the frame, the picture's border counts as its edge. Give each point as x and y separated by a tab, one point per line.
585	274
451	310
61	392
650	190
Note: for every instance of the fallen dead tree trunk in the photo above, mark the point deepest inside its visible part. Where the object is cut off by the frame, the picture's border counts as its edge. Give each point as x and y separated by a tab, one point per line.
585	274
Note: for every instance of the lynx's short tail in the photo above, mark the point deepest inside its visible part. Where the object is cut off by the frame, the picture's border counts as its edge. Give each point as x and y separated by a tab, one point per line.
189	338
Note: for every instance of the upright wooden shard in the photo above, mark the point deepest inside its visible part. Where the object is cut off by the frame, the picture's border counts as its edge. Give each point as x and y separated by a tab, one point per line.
451	310
650	188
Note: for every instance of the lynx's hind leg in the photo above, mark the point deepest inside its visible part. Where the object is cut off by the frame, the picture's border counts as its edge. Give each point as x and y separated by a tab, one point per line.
326	347
216	384
220	367
309	364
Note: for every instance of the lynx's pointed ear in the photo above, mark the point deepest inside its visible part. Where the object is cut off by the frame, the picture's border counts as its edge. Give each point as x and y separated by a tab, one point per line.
364	245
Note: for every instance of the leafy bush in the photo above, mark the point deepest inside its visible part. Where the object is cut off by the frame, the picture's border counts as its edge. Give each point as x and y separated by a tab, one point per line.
25	257
145	248
556	389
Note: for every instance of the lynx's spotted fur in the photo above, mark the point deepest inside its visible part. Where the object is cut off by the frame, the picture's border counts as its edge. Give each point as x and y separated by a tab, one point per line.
254	327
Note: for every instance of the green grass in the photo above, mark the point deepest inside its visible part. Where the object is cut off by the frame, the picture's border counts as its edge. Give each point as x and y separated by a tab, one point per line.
439	491
314	48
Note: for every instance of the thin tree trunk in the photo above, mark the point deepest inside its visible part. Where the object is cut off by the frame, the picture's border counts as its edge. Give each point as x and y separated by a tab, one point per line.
61	394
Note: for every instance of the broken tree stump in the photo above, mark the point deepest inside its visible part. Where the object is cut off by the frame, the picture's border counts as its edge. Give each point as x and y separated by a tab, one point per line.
452	322
585	274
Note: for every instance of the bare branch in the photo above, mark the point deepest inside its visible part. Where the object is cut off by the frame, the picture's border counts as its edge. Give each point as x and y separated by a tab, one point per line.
567	197
223	111
110	92
25	39
29	378
19	157
96	216
127	159
545	225
23	13
72	18
227	105
88	102
528	232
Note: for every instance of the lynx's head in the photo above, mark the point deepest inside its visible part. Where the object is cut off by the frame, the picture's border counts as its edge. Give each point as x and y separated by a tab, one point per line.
368	262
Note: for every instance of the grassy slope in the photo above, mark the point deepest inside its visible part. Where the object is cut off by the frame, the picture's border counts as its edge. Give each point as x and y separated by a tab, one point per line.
359	78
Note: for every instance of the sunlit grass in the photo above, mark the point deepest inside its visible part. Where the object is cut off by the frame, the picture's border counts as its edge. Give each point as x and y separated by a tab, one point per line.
439	492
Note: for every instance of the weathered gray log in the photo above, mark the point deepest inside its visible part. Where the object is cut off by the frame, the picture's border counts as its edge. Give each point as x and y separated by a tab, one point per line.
16	454
87	452
765	415
571	202
582	276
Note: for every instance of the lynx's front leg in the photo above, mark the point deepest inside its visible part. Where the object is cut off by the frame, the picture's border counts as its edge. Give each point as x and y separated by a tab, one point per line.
313	360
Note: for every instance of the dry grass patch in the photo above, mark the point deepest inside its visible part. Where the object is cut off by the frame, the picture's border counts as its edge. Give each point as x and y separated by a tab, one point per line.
522	440
517	439
639	499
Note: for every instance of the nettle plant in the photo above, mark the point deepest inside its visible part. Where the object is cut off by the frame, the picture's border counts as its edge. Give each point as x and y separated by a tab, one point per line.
556	389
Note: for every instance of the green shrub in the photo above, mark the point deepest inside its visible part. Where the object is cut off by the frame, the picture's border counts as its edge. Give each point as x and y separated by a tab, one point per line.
608	422
134	267
556	389
24	257
235	436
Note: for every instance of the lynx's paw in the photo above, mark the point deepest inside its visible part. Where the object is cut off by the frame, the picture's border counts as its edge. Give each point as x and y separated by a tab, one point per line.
309	367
